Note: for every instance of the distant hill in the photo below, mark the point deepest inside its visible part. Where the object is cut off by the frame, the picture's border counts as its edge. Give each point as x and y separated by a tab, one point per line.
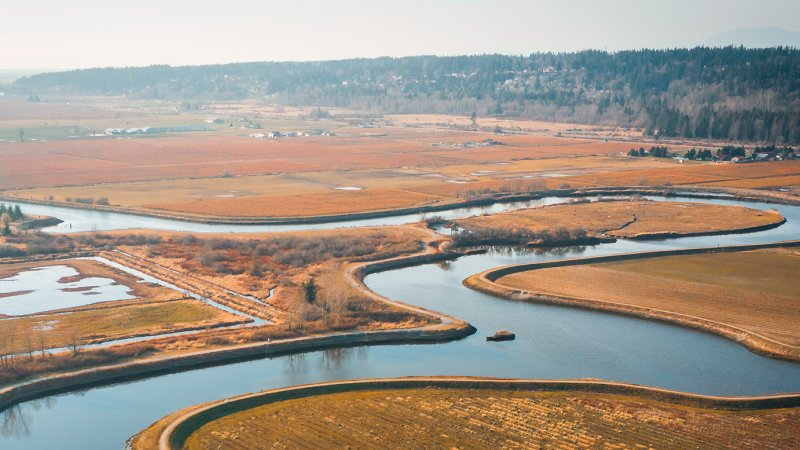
722	93
756	38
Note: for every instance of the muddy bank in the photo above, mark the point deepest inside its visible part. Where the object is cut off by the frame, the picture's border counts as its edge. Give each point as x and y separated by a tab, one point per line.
34	223
486	282
92	377
172	431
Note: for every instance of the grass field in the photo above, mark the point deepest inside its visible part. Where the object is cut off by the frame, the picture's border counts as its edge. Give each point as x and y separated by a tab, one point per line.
443	418
755	290
627	219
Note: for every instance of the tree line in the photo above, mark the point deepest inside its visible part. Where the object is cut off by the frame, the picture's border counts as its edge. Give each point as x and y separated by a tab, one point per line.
9	214
731	93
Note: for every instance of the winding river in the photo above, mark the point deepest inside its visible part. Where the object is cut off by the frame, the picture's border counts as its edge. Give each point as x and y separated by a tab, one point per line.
552	342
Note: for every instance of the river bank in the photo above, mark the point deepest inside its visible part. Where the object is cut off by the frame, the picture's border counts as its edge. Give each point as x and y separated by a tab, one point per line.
486	282
691	192
172	432
448	328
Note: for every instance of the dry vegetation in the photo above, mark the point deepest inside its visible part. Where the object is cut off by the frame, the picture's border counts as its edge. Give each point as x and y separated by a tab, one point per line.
32	334
155	310
400	160
755	290
287	262
236	270
312	204
438	418
623	219
223	174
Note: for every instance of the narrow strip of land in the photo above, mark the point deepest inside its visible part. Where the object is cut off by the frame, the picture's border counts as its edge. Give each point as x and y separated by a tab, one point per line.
746	293
468	412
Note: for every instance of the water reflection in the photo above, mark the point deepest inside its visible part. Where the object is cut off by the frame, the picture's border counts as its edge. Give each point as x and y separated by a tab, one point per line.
15	423
446	266
336	357
516	251
17	420
295	364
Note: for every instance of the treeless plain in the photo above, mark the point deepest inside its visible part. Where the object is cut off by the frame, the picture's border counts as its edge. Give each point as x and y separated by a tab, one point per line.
629	219
754	290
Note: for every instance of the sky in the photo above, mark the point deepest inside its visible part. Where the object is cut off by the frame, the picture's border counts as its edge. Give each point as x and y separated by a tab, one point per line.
59	34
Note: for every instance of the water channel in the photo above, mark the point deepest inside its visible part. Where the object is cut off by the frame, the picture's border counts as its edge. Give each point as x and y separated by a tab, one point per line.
552	342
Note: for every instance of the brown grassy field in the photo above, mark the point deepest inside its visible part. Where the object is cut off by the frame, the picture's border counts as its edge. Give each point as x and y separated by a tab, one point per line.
313	190
291	205
281	258
616	218
690	174
402	161
755	290
248	264
444	418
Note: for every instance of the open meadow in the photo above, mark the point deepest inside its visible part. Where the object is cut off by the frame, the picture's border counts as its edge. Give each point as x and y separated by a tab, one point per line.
753	291
631	219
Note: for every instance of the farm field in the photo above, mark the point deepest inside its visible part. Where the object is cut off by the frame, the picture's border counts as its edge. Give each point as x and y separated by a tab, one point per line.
365	164
754	291
352	191
628	219
451	418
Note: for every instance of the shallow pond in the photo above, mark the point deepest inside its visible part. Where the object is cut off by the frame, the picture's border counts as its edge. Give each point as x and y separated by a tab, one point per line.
48	288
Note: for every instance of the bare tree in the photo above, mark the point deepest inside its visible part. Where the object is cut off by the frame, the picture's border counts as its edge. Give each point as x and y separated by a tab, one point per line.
29	347
74	344
42	342
335	293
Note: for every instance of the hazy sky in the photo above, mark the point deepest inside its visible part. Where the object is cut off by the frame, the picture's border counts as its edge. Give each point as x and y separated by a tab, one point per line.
91	33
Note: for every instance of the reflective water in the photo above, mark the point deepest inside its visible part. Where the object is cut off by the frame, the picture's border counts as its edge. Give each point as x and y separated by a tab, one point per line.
552	342
75	220
43	289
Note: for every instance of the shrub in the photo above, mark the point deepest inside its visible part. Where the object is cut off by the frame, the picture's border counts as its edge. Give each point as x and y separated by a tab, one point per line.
10	251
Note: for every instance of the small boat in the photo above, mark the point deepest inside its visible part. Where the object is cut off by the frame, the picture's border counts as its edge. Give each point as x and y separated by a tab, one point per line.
501	335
